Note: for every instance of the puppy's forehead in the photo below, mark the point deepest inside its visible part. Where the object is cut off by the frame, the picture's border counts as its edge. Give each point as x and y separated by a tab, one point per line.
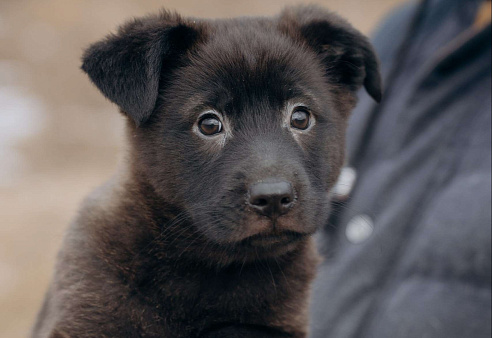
246	62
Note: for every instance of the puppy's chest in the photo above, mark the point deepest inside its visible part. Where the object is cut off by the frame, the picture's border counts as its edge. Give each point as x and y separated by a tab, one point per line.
188	304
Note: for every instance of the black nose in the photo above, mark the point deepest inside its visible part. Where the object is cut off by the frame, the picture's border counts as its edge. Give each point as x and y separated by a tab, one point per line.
271	199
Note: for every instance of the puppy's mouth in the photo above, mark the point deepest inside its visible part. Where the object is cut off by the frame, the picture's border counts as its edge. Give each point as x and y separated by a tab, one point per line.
271	239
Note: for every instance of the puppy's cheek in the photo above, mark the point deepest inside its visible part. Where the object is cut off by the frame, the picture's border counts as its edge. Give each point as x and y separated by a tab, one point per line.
310	211
304	221
214	227
321	212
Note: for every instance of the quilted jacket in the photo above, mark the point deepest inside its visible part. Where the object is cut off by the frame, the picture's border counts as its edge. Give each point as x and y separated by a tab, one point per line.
407	253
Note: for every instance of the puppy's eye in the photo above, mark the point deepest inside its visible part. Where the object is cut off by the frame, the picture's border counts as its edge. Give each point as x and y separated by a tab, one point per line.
300	119
210	125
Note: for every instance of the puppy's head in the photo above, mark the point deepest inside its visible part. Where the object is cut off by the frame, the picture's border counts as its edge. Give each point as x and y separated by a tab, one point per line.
239	122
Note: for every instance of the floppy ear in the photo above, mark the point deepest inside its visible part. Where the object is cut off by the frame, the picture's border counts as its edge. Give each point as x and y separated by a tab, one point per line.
128	66
348	56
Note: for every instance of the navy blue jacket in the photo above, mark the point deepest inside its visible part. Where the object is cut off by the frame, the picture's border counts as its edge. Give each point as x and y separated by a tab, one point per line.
409	253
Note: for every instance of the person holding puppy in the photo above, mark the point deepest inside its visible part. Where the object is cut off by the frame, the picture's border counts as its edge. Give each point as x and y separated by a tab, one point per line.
408	249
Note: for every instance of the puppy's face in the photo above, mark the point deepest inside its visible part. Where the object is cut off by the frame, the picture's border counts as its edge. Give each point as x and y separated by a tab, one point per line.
241	122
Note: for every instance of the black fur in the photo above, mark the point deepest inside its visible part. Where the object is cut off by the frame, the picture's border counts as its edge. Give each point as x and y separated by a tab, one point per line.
128	66
346	53
171	246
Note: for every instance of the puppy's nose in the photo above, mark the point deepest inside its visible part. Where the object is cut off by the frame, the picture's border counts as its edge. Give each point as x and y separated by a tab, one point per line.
271	199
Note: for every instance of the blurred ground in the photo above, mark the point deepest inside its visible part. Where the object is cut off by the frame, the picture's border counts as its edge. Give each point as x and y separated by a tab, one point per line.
59	138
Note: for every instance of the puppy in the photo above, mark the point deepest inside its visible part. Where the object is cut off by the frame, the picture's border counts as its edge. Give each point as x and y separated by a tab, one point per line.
236	132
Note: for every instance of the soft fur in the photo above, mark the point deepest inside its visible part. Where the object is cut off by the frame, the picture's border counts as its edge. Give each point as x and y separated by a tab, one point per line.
169	247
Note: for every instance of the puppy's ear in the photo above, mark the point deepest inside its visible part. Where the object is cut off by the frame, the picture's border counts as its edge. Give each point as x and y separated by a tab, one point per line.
348	56
128	66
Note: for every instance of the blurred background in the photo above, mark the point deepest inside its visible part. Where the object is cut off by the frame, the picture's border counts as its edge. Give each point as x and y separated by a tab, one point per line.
59	138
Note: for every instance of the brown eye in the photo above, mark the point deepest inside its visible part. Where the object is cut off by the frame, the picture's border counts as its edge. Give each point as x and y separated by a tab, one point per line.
210	125
300	119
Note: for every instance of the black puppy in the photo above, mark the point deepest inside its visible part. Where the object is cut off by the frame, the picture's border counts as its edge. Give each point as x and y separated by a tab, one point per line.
236	132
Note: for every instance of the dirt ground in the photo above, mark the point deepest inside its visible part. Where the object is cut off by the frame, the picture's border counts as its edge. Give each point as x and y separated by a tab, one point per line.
59	138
